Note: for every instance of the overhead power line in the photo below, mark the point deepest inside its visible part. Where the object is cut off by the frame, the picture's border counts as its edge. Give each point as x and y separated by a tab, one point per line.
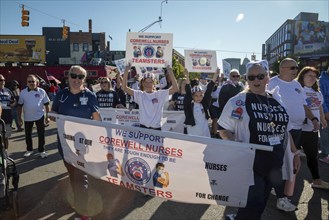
58	18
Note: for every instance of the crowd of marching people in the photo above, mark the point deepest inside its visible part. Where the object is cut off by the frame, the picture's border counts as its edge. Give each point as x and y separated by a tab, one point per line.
287	112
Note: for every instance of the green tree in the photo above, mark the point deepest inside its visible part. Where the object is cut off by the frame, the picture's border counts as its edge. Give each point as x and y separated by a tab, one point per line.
177	68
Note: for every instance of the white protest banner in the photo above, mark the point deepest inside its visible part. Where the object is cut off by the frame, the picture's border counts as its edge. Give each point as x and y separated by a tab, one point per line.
201	61
171	121
120	64
169	165
149	49
226	69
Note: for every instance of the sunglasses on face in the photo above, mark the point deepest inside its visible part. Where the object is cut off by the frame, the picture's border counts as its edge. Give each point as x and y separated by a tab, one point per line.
291	67
2	80
260	76
79	76
31	81
235	76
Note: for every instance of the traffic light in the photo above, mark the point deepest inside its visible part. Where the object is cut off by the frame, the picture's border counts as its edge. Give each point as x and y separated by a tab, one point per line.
65	32
25	18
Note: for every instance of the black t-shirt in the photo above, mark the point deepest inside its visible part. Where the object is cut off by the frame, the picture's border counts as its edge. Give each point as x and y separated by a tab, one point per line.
179	101
227	91
108	99
268	119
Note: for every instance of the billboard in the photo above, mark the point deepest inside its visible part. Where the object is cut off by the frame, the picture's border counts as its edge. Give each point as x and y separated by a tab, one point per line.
311	37
22	48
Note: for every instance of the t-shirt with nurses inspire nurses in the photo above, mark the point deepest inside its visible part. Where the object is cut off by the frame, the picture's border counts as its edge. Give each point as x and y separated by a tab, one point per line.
259	120
313	100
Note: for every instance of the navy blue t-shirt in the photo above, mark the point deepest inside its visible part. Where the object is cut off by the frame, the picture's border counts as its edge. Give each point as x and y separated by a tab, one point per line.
80	105
107	99
6	98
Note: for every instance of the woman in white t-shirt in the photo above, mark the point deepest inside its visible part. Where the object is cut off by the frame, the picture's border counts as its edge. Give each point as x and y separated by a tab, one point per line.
307	77
150	101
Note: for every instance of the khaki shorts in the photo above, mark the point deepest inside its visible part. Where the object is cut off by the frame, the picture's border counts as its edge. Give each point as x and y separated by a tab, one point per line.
8	130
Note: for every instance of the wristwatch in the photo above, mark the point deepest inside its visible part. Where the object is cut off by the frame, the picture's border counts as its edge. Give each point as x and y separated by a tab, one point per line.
314	118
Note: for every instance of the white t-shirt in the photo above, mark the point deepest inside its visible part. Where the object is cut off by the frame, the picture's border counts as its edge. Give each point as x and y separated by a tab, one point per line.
33	103
293	99
151	106
313	100
201	127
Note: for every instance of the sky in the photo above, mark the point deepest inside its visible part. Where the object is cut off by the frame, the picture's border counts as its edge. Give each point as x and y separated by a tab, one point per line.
235	29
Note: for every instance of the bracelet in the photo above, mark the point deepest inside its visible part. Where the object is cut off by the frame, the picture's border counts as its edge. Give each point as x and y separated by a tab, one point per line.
315	118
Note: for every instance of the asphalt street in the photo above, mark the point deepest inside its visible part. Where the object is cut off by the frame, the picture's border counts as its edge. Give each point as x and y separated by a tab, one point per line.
45	193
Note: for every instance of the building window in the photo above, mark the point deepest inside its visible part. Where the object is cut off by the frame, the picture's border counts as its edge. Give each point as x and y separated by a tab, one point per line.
85	47
75	47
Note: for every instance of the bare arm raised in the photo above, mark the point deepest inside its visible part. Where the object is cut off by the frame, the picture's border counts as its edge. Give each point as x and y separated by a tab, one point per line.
125	87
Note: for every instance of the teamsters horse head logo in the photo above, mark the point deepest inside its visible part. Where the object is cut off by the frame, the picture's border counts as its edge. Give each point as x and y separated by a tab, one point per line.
138	171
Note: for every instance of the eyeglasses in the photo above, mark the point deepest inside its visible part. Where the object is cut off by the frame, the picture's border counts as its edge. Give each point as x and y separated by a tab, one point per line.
260	76
291	67
235	76
31	81
74	76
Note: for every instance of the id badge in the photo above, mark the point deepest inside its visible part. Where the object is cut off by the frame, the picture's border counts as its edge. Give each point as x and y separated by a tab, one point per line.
83	100
274	140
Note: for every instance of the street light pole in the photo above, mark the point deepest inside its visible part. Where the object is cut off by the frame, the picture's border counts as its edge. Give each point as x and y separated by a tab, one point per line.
158	21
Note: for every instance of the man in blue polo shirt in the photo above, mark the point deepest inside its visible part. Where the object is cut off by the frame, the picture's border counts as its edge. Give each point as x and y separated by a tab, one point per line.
35	102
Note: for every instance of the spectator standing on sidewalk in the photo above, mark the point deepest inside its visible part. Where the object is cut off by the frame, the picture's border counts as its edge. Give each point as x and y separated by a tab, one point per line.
7	101
34	101
324	132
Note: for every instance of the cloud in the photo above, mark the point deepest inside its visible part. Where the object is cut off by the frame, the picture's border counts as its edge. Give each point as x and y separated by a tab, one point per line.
239	17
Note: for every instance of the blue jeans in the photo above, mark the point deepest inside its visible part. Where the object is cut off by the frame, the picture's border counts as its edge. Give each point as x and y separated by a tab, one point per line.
15	117
258	195
324	141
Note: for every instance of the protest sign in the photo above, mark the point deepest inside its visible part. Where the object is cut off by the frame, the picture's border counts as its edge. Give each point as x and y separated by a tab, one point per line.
201	61
120	64
149	49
